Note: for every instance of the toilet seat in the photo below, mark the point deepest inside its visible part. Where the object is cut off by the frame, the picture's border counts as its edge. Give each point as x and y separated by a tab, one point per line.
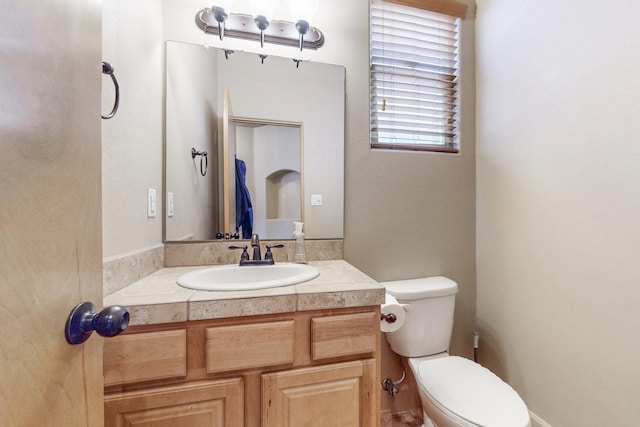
471	394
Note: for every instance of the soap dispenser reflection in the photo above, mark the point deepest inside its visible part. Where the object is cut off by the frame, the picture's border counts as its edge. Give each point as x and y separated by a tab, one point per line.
299	255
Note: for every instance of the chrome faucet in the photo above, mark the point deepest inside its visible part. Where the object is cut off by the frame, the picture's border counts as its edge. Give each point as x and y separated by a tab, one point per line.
255	244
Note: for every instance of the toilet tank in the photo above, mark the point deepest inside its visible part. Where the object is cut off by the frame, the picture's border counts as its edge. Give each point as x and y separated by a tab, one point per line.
430	303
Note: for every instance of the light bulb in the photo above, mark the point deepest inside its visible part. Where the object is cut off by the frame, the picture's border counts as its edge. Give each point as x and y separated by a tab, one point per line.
303	12
262	11
221	11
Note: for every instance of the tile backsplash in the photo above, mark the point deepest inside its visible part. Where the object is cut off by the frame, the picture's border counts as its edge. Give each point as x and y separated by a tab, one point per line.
179	254
121	271
118	272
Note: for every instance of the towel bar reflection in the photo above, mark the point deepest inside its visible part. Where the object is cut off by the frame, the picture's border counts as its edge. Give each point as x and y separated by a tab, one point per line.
108	69
204	162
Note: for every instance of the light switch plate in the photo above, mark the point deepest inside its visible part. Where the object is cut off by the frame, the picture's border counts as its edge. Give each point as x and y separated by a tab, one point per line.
316	200
169	204
151	202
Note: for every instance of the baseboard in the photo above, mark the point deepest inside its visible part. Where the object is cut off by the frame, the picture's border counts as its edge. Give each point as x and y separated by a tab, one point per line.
536	421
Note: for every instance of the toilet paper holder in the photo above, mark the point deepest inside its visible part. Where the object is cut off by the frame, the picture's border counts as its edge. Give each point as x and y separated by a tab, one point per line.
389	318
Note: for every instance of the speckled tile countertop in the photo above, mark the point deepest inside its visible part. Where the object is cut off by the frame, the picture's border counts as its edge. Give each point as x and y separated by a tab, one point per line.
158	298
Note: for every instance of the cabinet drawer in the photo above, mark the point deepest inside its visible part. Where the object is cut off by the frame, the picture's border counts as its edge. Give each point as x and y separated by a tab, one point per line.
145	356
249	346
344	335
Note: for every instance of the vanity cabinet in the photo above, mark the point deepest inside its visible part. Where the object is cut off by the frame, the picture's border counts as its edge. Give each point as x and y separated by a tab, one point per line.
310	368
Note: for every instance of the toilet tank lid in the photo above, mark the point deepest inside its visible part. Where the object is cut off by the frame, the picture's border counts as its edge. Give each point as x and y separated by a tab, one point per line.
423	287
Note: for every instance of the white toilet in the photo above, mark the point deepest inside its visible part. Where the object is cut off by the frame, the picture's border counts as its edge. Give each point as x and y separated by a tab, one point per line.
455	392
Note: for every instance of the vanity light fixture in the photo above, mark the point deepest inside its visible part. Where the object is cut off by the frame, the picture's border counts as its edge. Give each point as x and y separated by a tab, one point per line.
260	27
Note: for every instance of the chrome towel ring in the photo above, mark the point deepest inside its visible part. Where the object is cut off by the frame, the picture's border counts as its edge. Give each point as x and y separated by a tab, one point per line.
108	69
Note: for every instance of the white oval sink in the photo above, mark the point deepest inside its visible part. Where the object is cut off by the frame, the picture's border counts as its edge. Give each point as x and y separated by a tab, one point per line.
236	278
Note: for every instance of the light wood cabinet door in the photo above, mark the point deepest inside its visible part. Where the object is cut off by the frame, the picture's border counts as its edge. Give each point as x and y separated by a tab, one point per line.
199	404
336	395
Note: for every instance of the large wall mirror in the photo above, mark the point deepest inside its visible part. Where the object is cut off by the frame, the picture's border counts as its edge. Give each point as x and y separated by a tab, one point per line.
270	126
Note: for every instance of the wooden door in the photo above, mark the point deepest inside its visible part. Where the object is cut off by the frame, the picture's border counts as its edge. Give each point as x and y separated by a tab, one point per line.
337	395
50	210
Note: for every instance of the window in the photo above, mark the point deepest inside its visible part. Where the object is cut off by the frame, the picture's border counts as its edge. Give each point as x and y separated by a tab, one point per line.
414	75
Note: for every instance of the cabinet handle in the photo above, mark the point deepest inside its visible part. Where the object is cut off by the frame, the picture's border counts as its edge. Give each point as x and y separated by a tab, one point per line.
83	320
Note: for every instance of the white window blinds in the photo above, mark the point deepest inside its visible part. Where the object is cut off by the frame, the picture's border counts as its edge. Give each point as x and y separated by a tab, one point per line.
414	78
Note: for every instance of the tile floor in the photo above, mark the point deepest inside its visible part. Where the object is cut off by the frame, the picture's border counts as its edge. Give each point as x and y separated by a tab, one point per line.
403	419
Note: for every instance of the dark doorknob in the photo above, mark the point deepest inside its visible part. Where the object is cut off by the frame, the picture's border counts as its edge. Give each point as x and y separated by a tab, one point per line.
83	320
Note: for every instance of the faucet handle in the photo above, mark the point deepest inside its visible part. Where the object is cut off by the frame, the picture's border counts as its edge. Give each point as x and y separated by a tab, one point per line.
245	254
268	255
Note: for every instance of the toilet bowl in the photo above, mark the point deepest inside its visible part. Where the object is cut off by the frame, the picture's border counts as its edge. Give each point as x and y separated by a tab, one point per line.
457	392
454	391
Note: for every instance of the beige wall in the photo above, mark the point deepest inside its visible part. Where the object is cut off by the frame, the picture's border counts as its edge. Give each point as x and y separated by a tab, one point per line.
559	205
132	140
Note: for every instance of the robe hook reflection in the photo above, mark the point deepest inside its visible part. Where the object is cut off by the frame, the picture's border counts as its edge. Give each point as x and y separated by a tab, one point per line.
108	69
204	162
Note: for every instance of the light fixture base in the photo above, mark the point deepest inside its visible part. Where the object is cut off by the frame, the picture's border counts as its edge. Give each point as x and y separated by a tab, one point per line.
243	27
